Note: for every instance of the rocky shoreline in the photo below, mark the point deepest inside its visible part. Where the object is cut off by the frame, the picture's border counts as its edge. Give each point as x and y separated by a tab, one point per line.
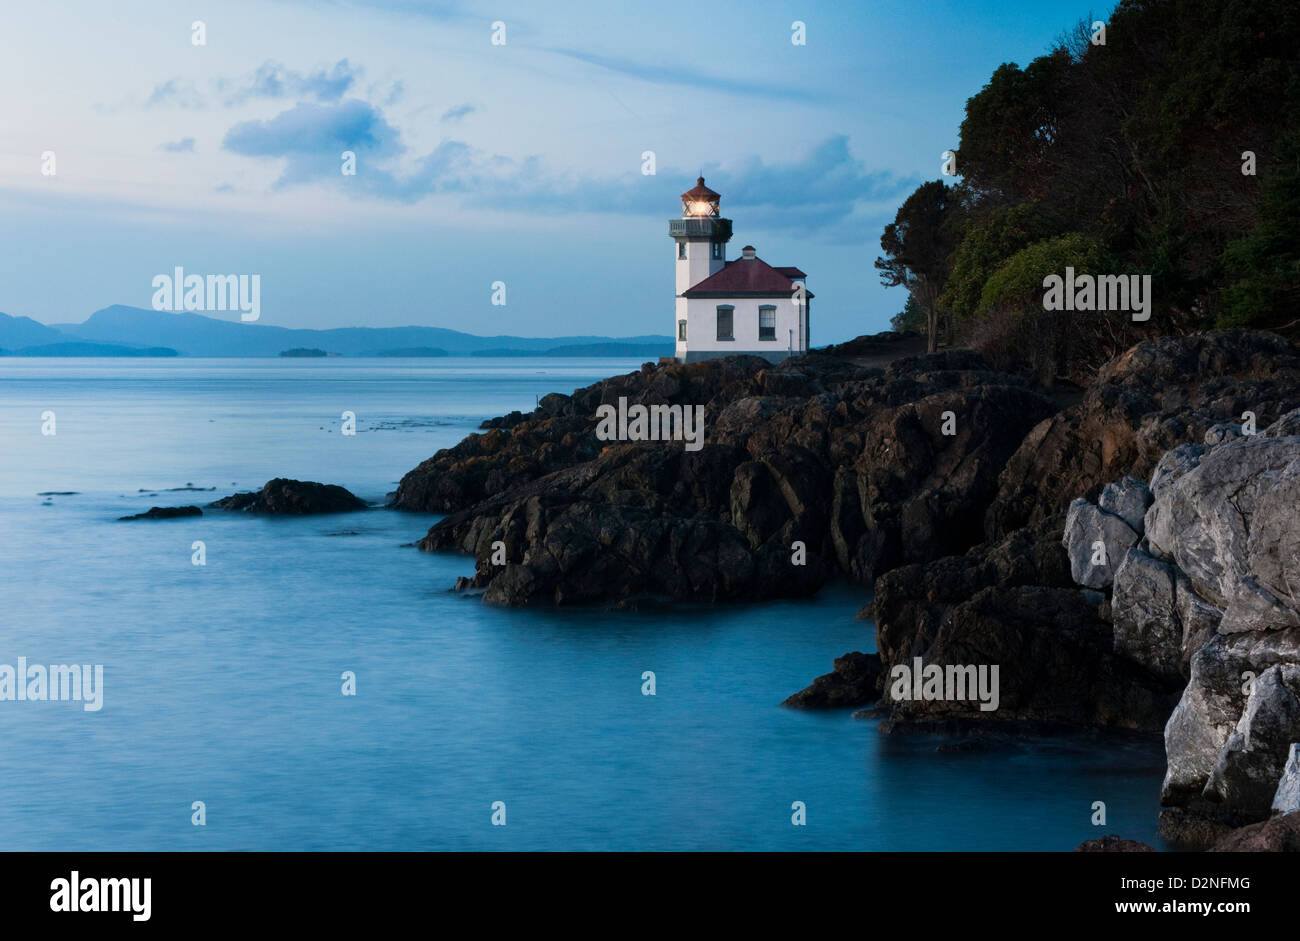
1125	558
850	462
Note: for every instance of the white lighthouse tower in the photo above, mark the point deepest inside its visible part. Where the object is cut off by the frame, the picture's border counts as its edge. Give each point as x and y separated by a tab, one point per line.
724	308
700	238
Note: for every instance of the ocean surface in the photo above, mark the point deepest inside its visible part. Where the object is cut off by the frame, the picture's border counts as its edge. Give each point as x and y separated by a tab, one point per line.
222	682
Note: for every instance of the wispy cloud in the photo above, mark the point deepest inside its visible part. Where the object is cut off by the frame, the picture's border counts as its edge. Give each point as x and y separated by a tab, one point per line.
456	113
665	74
183	146
273	80
270	80
176	93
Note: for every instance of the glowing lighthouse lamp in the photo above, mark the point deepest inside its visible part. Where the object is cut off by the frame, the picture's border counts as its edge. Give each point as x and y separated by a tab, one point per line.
700	202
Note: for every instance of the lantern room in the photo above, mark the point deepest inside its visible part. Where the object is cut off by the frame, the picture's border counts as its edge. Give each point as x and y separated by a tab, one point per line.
700	202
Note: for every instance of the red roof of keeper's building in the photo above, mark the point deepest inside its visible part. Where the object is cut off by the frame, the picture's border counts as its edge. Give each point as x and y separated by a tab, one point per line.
747	277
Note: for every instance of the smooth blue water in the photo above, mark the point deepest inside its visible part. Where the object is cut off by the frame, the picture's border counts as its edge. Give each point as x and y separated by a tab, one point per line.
222	682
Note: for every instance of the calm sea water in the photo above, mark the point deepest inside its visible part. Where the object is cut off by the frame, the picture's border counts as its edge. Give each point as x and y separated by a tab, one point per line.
222	682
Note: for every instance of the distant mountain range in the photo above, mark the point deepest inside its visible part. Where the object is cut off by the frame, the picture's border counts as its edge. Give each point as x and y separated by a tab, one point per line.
132	331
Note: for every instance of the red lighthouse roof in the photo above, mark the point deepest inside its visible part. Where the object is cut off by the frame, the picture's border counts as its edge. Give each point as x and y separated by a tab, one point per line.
700	191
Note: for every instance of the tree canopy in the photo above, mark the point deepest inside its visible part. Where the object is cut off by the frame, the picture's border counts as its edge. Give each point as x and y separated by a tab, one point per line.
1171	149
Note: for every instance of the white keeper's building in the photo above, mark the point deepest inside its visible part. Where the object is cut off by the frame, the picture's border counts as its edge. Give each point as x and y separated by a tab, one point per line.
728	307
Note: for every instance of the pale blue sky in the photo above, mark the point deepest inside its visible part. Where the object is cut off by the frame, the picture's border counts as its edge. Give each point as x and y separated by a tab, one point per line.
476	163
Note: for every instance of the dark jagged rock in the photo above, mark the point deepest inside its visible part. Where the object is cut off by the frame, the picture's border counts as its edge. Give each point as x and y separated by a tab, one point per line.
852	462
559	434
1111	843
911	602
1195	829
591	551
855	681
886	346
505	421
1054	657
921	610
165	513
1159	394
1279	835
1013	603
285	497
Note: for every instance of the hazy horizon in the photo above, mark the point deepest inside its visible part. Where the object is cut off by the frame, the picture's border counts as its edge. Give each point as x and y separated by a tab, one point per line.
232	316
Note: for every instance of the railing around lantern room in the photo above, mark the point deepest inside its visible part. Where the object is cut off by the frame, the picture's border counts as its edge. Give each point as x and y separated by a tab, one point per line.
711	228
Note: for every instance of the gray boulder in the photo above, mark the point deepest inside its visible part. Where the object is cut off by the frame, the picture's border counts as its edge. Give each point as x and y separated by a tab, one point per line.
1143	612
1269	594
1224	431
1249	767
1198	618
1204	519
1213	702
1286	799
1085	526
1203	719
1128	500
1159	620
1173	466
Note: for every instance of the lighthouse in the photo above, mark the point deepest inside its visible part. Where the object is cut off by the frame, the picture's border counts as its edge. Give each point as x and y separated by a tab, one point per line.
725	308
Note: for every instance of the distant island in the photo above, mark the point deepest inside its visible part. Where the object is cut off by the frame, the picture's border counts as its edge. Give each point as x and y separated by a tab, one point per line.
134	331
74	348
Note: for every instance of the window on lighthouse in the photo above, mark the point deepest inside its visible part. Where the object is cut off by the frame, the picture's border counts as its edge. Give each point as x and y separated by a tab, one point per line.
767	322
717	249
681	250
681	330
